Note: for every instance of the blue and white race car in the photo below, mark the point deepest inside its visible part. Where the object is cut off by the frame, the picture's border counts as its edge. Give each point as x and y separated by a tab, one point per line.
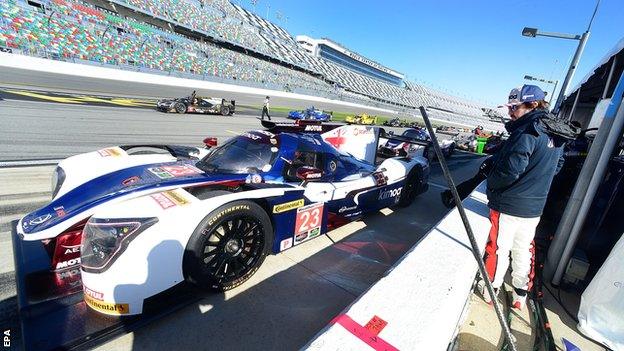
141	219
311	114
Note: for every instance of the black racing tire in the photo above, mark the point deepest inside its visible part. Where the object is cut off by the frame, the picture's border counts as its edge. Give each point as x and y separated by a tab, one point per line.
179	107
411	188
225	110
228	246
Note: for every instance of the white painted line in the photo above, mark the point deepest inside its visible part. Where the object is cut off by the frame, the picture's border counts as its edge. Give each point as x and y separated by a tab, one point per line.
27	163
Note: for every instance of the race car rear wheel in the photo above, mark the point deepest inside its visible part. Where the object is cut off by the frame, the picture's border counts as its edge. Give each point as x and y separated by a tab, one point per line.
180	107
228	246
225	110
411	187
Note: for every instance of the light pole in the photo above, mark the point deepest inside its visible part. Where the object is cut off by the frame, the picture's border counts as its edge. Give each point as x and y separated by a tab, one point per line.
547	82
534	32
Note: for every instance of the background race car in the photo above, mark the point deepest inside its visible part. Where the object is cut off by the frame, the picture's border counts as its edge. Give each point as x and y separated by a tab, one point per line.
197	104
310	114
400	146
361	119
139	220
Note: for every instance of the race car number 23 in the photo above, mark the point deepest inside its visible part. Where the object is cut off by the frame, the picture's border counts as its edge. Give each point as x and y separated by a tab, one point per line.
308	223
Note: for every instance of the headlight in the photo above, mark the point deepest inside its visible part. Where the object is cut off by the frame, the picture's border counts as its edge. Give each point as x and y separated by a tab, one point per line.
103	240
58	177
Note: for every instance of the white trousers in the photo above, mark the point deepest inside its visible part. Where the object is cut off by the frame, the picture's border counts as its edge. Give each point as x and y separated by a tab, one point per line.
510	234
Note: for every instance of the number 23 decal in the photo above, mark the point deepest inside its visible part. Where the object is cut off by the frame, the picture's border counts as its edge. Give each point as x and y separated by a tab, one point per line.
308	218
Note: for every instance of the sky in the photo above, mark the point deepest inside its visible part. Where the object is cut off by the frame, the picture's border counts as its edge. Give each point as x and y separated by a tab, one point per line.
467	48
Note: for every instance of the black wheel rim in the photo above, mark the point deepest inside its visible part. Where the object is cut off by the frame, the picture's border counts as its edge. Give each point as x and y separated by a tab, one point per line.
233	248
180	108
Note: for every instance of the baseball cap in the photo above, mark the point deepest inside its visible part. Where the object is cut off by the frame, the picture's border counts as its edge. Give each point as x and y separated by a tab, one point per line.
525	93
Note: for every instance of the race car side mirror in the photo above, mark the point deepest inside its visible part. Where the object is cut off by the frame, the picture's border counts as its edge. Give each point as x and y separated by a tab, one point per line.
308	174
210	142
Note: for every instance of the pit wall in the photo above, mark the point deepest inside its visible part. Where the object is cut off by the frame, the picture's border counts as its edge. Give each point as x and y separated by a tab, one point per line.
420	302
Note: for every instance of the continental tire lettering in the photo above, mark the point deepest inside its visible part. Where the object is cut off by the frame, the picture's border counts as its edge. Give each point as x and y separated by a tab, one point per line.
287	206
106	307
218	216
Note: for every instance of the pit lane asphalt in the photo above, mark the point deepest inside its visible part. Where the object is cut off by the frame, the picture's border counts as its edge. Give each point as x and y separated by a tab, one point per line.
293	295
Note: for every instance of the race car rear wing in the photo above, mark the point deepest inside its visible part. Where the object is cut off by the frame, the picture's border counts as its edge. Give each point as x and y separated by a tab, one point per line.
300	126
178	151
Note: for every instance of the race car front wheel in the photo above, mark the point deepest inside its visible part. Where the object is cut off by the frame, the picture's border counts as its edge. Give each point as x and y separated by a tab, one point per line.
180	107
228	246
225	110
411	187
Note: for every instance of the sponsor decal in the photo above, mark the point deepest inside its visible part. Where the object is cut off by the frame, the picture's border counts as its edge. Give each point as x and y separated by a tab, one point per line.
169	199
267	133
308	222
130	181
313	128
345	208
332	166
67	250
389	193
92	293
181	170
251	136
362	131
109	152
60	211
70	249
287	206
168	172
107	307
313	175
286	244
380	178
163	201
68	263
175	197
40	219
161	173
299	238
67	279
216	217
253	179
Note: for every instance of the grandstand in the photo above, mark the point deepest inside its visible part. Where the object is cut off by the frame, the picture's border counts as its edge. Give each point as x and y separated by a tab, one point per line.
208	40
336	53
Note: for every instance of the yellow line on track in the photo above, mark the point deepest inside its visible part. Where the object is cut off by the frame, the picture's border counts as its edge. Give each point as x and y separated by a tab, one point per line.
231	132
45	97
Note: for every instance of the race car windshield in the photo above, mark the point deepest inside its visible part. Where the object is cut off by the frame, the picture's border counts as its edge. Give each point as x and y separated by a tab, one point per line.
240	155
415	134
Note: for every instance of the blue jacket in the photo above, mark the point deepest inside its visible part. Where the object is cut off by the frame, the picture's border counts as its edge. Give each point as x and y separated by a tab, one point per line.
524	168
